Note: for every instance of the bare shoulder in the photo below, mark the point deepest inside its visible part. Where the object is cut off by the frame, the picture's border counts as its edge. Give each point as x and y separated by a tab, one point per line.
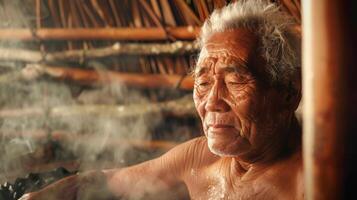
190	147
173	165
191	154
164	173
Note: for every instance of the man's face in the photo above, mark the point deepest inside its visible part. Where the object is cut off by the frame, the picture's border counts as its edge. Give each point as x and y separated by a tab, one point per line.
237	112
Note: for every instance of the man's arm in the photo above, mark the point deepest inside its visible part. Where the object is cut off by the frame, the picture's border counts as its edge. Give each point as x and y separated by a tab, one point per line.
164	174
160	175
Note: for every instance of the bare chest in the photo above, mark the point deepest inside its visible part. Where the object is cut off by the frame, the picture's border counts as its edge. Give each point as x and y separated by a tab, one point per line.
208	187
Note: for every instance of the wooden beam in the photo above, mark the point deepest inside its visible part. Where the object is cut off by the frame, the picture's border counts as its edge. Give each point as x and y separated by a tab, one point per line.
329	114
92	77
183	107
174	48
100	77
128	34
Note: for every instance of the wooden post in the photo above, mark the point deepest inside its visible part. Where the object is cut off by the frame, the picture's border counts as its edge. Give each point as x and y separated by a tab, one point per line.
329	99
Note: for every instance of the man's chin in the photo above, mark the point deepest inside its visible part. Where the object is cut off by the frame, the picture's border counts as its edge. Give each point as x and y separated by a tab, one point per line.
226	148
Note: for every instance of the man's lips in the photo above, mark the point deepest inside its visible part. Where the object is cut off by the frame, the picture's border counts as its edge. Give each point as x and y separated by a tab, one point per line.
223	129
220	126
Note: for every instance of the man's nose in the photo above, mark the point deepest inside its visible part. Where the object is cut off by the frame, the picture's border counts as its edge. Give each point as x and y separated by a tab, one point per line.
216	98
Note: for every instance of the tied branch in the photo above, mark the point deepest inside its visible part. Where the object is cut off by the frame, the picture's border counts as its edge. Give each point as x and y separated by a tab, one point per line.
183	107
175	48
100	77
126	34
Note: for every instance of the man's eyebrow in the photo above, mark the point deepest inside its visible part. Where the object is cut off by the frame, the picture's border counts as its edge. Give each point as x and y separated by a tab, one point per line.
230	69
201	70
236	68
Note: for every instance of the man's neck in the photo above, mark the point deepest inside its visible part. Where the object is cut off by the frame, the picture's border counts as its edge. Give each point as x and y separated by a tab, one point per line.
286	144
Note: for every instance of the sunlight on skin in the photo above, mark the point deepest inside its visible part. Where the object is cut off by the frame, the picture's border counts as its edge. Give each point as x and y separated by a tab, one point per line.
251	148
230	101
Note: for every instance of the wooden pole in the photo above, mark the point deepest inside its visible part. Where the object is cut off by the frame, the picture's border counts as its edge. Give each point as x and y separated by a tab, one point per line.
128	34
329	99
101	77
90	77
182	107
175	48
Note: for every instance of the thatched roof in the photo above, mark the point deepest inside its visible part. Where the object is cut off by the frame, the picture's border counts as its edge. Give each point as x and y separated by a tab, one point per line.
85	25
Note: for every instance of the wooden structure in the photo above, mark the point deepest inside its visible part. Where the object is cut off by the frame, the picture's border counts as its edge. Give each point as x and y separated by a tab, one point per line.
149	44
329	99
87	45
87	26
150	47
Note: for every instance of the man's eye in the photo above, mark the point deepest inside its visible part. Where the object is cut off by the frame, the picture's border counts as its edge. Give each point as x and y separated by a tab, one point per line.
203	86
206	83
234	83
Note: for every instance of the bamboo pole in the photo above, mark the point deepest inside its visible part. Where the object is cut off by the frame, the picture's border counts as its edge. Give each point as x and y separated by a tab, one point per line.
128	34
100	77
151	13
38	13
183	107
55	16
91	77
175	48
329	100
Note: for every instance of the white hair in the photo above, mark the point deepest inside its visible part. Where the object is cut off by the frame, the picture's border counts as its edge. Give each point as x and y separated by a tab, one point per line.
279	45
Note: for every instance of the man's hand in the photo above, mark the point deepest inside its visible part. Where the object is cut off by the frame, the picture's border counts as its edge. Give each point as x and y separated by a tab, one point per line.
85	186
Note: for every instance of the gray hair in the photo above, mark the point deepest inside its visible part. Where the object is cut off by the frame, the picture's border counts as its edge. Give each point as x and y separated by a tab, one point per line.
279	45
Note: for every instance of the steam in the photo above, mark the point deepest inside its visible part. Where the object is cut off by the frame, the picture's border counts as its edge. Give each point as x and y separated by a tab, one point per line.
34	139
83	137
40	138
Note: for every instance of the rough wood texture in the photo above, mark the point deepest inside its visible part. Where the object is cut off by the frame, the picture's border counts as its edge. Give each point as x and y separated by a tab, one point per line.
128	34
100	77
329	100
175	48
92	77
183	107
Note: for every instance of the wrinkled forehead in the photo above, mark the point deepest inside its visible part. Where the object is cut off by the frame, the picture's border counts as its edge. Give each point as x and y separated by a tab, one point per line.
233	46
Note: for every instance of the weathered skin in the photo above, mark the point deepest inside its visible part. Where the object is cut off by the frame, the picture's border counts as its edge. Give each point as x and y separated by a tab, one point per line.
251	148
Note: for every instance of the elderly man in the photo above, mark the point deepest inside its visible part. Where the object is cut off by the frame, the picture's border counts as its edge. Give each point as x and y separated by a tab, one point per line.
247	87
